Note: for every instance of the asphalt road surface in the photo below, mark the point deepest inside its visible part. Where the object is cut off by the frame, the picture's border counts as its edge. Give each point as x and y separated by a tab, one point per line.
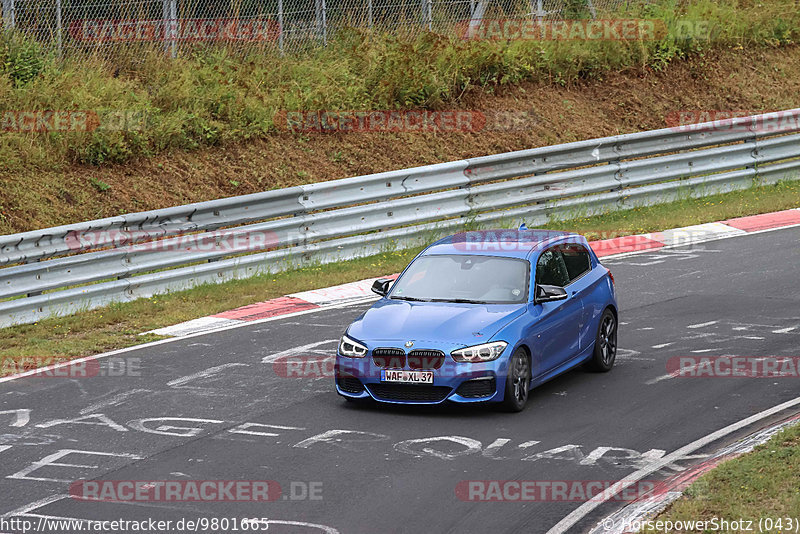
217	407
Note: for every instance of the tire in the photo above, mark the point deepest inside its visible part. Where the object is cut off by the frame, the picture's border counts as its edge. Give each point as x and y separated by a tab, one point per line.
605	344
518	382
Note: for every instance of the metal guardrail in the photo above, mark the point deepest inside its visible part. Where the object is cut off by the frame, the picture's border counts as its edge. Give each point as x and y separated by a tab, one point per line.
61	270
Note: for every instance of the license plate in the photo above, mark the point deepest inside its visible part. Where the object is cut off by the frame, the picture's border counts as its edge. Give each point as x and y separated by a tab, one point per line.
407	377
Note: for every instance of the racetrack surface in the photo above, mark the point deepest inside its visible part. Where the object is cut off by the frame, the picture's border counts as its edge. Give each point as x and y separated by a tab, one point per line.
396	468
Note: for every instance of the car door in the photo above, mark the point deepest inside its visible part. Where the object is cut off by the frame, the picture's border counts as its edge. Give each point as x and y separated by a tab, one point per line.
554	333
581	282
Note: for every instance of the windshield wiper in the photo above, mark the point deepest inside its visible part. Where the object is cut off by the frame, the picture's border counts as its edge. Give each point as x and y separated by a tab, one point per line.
415	299
461	301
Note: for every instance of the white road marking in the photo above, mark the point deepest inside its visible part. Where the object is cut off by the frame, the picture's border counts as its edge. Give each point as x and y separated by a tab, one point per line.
174	339
662	345
22	417
701	325
324	528
698	351
660	378
170	430
587	507
625	355
25	473
295	351
211	371
491	450
23	510
91	419
113	401
242	429
784	330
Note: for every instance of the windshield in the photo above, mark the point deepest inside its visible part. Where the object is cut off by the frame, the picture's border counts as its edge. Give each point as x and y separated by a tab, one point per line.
464	278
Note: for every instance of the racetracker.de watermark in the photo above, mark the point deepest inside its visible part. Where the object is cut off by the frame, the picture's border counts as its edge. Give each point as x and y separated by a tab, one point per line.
381	121
185	30
59	367
405	121
223	241
320	366
552	490
734	121
47	121
601	241
133	491
734	366
563	30
175	490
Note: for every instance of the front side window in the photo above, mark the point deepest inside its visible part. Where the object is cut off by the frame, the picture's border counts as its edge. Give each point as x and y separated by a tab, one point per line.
551	269
464	278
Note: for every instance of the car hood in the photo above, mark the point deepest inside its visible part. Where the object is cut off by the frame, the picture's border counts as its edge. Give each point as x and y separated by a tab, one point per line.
467	324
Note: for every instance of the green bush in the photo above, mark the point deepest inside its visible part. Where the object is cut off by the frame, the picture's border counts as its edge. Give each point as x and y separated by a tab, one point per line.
21	59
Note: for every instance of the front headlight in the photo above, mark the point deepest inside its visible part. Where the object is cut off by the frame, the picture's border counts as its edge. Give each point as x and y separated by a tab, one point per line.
480	353
351	348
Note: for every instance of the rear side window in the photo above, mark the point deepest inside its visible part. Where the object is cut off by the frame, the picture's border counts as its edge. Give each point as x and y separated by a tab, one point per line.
551	270
576	259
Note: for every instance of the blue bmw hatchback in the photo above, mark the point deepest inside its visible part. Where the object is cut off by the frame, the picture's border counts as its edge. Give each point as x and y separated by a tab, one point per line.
482	316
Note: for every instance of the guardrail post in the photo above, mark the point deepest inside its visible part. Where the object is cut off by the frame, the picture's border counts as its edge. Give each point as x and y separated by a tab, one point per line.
59	28
427	13
280	26
540	12
170	17
8	15
592	10
476	19
321	14
754	142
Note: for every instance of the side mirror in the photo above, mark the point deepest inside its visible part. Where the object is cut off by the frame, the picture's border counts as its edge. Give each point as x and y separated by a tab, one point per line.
381	286
545	293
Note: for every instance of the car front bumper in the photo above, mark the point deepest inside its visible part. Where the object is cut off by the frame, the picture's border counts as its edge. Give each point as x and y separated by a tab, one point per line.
360	378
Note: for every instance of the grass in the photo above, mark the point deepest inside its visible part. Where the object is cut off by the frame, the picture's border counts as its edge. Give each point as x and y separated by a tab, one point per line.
119	325
762	484
215	96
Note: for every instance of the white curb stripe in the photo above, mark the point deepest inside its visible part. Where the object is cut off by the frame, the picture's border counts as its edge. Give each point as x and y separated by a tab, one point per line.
694	234
192	327
648	508
586	508
327	295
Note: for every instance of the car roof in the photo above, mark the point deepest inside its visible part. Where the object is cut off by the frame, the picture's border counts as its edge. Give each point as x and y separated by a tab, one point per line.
500	242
